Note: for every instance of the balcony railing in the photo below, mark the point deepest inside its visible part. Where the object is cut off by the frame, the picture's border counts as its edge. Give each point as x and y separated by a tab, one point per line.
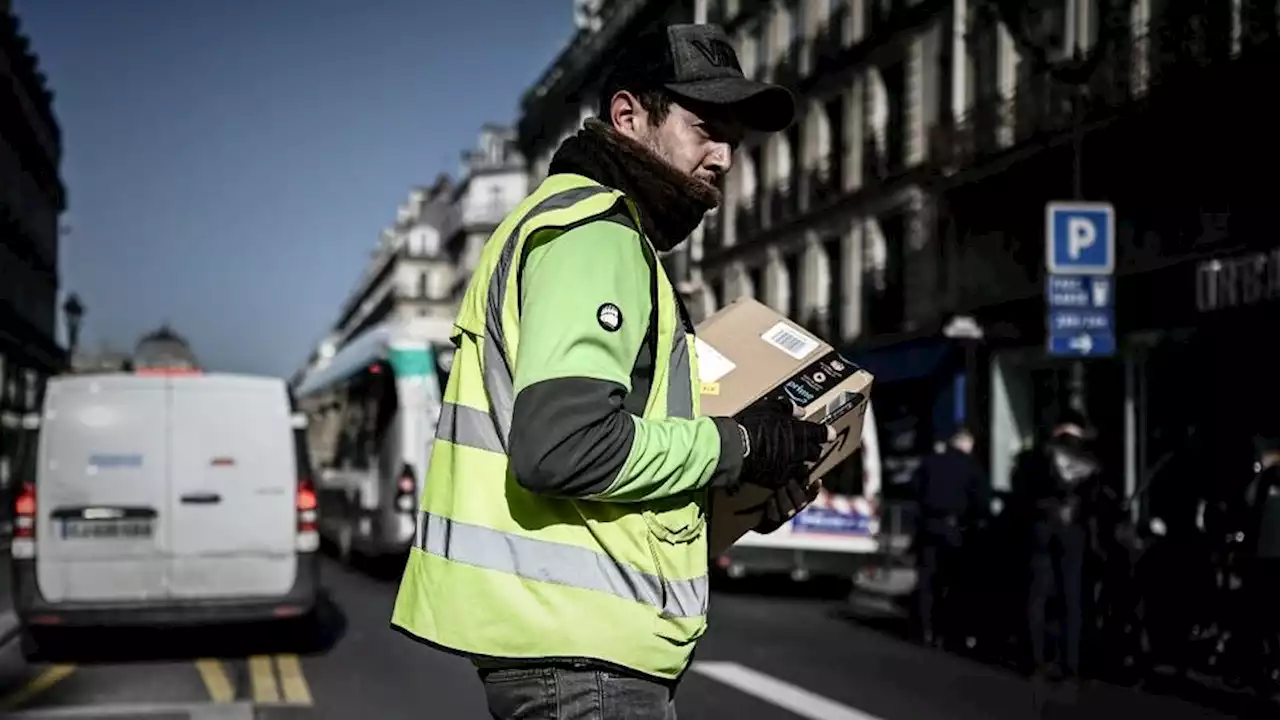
825	182
786	71
828	44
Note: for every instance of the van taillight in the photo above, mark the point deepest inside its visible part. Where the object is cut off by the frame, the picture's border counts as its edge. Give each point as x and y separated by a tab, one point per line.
405	488
24	512
306	504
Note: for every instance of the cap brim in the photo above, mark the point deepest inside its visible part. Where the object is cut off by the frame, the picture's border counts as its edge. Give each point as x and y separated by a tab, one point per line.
759	105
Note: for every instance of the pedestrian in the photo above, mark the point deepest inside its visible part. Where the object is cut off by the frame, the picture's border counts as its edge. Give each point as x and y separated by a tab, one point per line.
1055	478
562	538
1262	566
951	492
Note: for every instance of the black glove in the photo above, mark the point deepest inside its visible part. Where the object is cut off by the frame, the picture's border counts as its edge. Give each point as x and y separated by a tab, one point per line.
786	503
777	444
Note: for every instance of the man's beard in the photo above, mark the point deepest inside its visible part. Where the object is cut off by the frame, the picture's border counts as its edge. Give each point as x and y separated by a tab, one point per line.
653	143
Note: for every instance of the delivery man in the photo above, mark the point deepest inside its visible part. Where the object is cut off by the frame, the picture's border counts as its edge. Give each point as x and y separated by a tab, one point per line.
562	538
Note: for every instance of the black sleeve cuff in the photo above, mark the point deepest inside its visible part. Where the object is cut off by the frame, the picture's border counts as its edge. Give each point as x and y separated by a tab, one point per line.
728	471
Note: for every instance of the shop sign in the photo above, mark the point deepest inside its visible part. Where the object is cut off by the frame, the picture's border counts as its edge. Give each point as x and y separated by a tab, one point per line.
1239	281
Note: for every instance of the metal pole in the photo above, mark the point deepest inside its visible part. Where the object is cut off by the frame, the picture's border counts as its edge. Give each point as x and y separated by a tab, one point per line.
1131	432
1076	387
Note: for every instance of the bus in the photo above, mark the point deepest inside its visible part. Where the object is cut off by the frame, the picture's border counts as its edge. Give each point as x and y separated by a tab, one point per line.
372	411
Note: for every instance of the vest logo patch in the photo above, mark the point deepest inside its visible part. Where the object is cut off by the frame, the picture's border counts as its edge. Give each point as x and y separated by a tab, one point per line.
609	316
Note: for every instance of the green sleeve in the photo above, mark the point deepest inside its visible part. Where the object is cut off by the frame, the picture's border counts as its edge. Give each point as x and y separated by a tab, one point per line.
586	310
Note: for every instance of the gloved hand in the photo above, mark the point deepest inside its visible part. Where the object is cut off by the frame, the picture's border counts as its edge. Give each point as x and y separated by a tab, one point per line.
777	444
786	503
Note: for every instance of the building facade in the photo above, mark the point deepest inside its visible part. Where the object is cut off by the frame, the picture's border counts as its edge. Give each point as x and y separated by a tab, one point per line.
32	197
421	264
902	216
1162	115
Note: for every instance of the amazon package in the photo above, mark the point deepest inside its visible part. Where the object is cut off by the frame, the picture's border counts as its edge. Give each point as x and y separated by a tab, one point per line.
748	352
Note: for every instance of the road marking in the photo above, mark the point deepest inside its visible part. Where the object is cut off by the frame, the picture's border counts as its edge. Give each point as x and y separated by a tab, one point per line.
263	679
216	680
777	692
51	676
294	683
200	711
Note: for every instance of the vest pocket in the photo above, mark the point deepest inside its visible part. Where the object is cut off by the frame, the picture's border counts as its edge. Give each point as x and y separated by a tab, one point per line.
677	519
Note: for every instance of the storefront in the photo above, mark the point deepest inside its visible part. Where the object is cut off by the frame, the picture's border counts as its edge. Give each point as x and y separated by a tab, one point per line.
920	396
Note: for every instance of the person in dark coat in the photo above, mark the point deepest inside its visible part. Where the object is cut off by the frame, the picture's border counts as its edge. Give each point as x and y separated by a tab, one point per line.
952	494
1056	480
1262	563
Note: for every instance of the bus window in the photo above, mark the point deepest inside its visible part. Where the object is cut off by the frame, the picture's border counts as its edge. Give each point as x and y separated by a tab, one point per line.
368	412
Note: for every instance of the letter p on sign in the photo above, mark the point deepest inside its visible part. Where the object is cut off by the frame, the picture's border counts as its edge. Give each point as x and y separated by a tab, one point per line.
1080	235
1080	238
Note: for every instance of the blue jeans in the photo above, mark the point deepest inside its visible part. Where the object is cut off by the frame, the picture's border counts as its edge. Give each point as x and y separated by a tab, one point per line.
555	693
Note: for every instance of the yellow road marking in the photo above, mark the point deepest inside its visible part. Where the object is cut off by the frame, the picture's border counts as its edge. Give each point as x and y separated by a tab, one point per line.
216	680
294	683
263	680
45	680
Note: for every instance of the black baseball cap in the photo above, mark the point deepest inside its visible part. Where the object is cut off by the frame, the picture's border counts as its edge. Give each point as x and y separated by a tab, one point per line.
698	63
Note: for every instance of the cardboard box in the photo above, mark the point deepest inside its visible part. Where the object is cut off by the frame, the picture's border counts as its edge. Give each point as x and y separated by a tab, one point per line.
747	352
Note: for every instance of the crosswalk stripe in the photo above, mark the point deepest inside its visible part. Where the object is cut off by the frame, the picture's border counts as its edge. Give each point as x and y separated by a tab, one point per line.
262	678
216	680
778	692
294	683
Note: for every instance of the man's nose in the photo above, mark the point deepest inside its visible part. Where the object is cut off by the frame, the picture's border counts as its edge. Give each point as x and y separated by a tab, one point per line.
720	159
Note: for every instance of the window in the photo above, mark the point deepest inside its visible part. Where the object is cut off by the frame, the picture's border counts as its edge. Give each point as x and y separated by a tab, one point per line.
423	285
371	405
760	40
834	248
795	286
755	276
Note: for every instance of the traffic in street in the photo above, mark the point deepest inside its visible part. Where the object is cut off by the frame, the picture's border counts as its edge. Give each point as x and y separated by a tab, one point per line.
791	653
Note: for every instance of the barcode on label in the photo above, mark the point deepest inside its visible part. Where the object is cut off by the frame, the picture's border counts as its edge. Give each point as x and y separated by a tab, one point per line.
790	340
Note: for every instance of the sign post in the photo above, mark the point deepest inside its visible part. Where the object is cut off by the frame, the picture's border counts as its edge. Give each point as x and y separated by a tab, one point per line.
1080	255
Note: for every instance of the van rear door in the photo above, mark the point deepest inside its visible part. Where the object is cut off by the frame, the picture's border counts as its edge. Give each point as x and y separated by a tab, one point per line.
234	476
102	496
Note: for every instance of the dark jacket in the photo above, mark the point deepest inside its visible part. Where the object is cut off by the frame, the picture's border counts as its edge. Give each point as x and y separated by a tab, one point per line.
951	491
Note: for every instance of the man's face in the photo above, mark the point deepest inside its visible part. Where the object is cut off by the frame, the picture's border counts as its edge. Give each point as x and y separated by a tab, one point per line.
698	142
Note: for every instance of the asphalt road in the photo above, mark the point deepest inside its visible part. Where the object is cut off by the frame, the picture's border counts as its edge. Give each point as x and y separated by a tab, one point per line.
765	658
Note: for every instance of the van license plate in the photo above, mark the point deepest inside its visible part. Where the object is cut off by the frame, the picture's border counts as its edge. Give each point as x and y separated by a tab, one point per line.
106	529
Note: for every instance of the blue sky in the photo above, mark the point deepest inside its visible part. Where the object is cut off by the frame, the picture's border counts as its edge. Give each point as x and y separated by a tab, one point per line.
230	162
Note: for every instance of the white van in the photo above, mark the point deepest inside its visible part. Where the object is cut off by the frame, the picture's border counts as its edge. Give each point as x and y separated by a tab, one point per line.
163	499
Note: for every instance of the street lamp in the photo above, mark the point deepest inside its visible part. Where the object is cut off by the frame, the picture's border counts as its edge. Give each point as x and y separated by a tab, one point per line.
73	309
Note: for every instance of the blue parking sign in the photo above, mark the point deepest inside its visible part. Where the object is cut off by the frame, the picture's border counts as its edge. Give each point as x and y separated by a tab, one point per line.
1080	238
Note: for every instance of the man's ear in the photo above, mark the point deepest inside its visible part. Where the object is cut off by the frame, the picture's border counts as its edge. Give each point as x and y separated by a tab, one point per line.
627	115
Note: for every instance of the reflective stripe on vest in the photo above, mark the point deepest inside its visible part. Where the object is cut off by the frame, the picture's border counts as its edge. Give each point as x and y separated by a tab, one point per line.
570	565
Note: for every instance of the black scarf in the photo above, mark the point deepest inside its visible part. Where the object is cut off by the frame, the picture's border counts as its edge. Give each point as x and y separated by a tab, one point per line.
671	203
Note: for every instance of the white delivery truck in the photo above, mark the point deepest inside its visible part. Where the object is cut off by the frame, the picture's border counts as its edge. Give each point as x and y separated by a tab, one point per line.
163	499
833	537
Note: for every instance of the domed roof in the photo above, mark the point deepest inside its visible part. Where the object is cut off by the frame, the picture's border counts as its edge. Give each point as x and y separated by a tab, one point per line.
164	348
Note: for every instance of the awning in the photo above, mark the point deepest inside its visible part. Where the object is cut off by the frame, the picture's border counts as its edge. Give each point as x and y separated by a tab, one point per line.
910	360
